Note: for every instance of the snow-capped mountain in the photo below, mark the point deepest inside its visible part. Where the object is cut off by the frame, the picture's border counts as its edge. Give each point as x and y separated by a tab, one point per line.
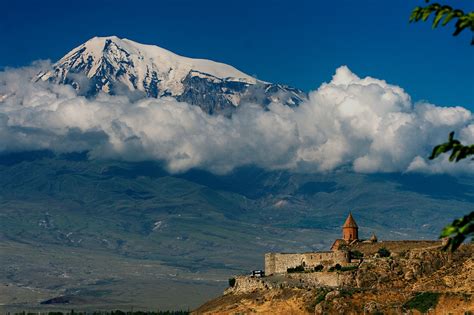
118	66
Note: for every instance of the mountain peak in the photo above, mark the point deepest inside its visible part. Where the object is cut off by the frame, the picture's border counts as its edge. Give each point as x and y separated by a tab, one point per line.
151	57
114	65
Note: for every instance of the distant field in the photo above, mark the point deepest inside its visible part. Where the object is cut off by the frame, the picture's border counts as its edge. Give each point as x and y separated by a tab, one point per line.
92	280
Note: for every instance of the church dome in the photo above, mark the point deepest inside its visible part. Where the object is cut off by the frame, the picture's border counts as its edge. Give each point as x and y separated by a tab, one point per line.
350	222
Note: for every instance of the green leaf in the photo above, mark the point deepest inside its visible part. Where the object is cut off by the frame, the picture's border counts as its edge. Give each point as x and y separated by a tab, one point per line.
462	23
426	14
448	18
458	231
414	14
440	15
454	155
458	153
448	230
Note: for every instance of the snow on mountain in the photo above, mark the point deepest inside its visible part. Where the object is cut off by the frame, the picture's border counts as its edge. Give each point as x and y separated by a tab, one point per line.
113	65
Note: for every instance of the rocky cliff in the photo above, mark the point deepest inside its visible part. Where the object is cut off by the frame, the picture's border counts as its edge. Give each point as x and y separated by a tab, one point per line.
421	280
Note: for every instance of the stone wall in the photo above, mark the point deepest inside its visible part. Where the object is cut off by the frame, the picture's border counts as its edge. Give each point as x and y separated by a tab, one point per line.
280	262
395	247
247	284
321	279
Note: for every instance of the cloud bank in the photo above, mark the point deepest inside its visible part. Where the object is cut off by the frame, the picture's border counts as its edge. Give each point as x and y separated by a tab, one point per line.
364	123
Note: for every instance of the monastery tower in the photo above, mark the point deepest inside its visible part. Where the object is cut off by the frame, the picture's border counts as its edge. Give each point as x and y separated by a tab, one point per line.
350	230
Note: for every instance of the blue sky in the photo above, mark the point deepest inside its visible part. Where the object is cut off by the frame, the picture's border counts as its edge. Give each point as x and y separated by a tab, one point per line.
299	43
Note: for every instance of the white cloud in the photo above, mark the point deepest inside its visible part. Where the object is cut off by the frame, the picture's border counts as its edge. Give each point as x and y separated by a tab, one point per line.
365	123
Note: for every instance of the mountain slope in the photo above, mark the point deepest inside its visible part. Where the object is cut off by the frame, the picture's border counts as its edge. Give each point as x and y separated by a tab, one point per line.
120	66
196	228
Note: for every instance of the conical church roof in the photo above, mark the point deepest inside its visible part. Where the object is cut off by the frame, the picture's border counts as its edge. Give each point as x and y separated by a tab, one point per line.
350	222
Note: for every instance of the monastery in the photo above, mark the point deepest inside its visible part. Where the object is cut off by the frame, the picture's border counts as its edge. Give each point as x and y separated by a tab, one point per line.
339	253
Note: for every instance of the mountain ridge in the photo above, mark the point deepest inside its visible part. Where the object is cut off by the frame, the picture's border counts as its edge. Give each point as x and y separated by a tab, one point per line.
120	66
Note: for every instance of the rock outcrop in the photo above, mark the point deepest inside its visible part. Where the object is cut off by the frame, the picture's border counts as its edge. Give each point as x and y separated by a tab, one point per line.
413	281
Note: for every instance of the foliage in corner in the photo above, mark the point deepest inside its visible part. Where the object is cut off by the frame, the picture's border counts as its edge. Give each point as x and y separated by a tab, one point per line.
462	228
458	231
445	13
458	150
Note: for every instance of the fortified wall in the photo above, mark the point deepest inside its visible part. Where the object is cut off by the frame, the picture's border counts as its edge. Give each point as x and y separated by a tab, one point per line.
280	262
341	249
395	247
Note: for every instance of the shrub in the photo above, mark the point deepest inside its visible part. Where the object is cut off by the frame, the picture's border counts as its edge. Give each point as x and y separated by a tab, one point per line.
335	267
356	254
348	268
320	297
423	301
299	268
319	268
348	292
383	252
231	282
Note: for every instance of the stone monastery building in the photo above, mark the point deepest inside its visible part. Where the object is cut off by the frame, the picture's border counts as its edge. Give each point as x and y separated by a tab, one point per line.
339	253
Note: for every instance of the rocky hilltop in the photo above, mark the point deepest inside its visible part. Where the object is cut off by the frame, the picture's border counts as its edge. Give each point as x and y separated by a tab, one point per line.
409	281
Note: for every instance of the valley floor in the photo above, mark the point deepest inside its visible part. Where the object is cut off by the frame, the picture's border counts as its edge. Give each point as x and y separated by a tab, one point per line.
91	280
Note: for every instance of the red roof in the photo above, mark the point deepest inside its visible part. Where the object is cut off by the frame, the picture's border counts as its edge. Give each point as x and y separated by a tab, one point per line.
350	222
